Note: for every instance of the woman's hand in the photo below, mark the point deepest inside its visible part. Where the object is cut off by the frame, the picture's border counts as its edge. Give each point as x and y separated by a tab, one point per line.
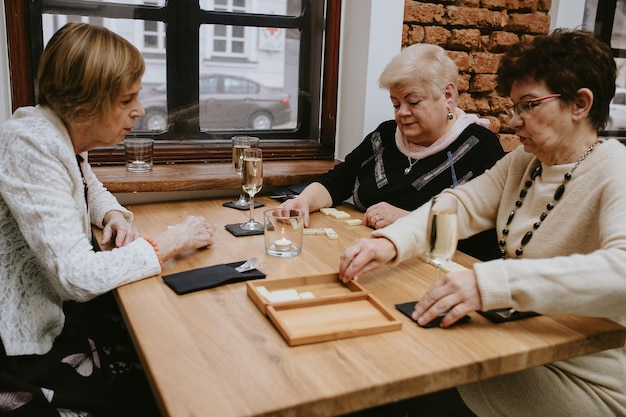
364	255
455	293
312	198
297	203
382	214
192	233
116	226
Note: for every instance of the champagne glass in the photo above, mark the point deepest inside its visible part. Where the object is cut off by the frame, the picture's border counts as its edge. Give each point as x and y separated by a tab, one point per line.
441	232
251	182
239	144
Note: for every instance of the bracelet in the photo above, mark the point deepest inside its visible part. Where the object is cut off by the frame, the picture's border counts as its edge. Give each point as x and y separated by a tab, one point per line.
156	249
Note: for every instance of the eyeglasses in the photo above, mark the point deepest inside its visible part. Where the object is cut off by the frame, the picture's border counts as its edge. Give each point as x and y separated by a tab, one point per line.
526	105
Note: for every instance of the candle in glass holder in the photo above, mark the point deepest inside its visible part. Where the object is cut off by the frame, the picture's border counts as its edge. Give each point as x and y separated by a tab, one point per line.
283	244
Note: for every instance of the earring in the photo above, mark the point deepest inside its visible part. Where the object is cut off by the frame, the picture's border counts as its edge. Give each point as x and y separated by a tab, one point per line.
450	115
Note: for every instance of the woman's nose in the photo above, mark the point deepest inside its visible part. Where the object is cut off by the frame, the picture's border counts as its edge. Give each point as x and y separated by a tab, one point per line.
403	109
516	121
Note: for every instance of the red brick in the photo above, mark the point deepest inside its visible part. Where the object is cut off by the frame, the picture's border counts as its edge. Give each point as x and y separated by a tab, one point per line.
463	82
533	23
483	83
494	4
461	59
499	41
522	5
474	104
465	39
484	62
470	3
422	12
412	34
473	17
544	5
437	35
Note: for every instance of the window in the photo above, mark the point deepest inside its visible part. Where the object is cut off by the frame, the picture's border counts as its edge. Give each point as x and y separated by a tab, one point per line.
607	19
214	69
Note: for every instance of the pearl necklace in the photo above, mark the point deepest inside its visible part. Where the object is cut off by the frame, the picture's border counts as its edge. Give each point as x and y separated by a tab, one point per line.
410	167
557	196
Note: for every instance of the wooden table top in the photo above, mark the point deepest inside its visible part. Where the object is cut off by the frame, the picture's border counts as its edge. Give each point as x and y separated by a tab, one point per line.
213	353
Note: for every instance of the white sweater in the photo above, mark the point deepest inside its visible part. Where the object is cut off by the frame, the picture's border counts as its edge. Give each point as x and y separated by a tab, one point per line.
574	263
46	256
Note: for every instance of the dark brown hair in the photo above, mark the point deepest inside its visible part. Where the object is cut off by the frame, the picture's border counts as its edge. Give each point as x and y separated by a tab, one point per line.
566	60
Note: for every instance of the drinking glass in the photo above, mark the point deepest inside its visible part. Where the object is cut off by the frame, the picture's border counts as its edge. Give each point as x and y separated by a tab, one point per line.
252	181
239	144
441	232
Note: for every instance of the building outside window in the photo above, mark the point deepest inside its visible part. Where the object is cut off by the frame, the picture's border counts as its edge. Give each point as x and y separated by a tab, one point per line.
218	68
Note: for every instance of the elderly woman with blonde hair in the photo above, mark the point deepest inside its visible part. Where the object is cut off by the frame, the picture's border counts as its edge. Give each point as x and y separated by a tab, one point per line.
430	145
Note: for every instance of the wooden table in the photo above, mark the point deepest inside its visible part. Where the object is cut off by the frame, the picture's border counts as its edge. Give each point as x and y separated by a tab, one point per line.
212	353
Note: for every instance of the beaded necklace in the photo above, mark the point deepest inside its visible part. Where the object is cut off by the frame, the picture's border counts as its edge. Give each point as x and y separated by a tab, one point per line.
557	196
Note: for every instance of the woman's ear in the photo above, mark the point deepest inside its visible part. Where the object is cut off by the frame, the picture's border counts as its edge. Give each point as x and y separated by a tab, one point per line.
583	103
450	95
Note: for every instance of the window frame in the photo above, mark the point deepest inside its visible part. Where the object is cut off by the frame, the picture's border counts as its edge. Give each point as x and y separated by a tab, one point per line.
314	138
603	30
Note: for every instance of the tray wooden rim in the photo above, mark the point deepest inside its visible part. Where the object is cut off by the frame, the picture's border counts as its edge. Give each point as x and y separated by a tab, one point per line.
358	293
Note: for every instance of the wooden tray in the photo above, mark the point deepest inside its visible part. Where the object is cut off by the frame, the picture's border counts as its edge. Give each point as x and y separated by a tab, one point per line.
336	311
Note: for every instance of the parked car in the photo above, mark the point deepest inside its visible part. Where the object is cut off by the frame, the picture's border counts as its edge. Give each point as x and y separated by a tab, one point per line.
226	102
617	111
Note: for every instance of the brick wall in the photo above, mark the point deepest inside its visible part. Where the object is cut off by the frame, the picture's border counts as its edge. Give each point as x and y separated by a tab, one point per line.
475	33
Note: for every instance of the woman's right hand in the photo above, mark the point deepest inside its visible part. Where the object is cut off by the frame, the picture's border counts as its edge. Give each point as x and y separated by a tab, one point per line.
312	198
364	255
300	204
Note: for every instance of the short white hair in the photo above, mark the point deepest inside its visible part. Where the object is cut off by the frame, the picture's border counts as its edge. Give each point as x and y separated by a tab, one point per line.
422	62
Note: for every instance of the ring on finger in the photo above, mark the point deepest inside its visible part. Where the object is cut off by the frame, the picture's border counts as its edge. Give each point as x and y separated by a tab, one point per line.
376	218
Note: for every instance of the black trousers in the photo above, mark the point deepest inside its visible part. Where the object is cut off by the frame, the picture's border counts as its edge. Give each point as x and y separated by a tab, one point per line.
91	370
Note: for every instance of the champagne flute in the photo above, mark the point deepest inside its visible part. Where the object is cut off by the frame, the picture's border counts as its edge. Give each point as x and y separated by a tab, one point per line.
441	232
239	144
251	182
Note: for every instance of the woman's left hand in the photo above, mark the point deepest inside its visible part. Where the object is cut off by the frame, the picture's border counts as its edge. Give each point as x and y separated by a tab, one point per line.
382	214
455	293
116	226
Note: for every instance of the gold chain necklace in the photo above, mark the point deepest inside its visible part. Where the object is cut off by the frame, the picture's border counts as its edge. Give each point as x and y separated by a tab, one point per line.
557	196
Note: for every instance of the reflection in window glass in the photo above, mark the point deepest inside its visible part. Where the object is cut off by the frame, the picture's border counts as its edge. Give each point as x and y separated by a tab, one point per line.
617	108
254	72
271	7
618	37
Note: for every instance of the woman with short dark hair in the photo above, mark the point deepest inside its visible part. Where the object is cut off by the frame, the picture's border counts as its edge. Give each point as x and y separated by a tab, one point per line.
558	204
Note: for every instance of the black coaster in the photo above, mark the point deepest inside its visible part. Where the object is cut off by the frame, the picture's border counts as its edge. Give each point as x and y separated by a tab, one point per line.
407	310
236	230
231	204
502	315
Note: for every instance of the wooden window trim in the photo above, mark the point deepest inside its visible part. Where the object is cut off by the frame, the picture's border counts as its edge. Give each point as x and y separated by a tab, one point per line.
22	74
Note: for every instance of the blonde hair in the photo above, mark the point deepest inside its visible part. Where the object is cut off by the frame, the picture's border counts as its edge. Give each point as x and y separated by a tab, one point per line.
422	62
84	69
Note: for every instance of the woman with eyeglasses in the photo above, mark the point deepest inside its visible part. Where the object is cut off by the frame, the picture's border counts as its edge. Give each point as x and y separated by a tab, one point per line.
558	203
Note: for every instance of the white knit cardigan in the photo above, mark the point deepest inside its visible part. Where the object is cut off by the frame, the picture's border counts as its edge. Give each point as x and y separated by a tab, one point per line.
46	256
